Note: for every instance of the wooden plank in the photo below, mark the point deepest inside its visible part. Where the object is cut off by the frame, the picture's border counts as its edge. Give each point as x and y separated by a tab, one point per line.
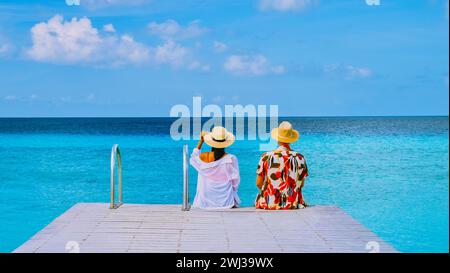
93	227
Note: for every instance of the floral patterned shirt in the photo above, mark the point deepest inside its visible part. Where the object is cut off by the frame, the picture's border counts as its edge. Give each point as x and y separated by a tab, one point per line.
284	172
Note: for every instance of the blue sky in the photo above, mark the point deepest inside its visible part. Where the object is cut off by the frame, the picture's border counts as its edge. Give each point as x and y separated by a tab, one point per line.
141	57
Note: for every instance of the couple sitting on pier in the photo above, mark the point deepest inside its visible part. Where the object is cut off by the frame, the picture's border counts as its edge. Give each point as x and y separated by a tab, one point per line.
280	176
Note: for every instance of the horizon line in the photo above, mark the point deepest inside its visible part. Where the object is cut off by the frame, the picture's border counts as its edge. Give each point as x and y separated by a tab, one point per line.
286	116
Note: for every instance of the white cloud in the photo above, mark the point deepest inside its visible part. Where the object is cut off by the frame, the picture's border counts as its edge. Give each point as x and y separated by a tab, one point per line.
171	53
10	98
127	50
175	55
91	97
359	72
278	69
64	41
348	71
218	99
195	65
109	28
66	99
171	29
251	65
4	48
31	98
219	47
285	5
77	41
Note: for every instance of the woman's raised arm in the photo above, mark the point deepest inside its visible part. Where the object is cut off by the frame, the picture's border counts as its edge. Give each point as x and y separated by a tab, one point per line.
202	140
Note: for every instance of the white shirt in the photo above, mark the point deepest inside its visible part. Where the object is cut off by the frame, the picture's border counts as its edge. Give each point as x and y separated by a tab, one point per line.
217	182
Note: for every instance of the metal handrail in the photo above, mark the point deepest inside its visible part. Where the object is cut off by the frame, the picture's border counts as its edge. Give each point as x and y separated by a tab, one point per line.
115	153
185	206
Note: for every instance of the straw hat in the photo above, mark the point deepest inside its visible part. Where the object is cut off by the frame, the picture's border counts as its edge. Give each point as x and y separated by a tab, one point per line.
219	137
284	133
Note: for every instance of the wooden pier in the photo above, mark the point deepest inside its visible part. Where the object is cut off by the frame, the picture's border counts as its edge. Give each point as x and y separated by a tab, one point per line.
93	227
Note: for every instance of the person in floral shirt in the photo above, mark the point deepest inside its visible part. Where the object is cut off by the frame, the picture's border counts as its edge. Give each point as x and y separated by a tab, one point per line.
281	173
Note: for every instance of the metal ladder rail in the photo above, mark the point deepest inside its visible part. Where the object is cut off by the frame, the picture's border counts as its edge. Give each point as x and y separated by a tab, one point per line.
185	206
115	153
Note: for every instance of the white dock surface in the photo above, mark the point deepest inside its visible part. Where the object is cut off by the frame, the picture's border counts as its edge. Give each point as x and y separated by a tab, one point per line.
93	227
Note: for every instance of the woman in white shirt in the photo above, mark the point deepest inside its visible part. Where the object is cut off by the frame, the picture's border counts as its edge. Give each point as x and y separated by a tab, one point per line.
218	172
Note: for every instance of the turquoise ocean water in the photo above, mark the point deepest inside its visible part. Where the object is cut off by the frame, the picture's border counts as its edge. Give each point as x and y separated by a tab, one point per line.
391	174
